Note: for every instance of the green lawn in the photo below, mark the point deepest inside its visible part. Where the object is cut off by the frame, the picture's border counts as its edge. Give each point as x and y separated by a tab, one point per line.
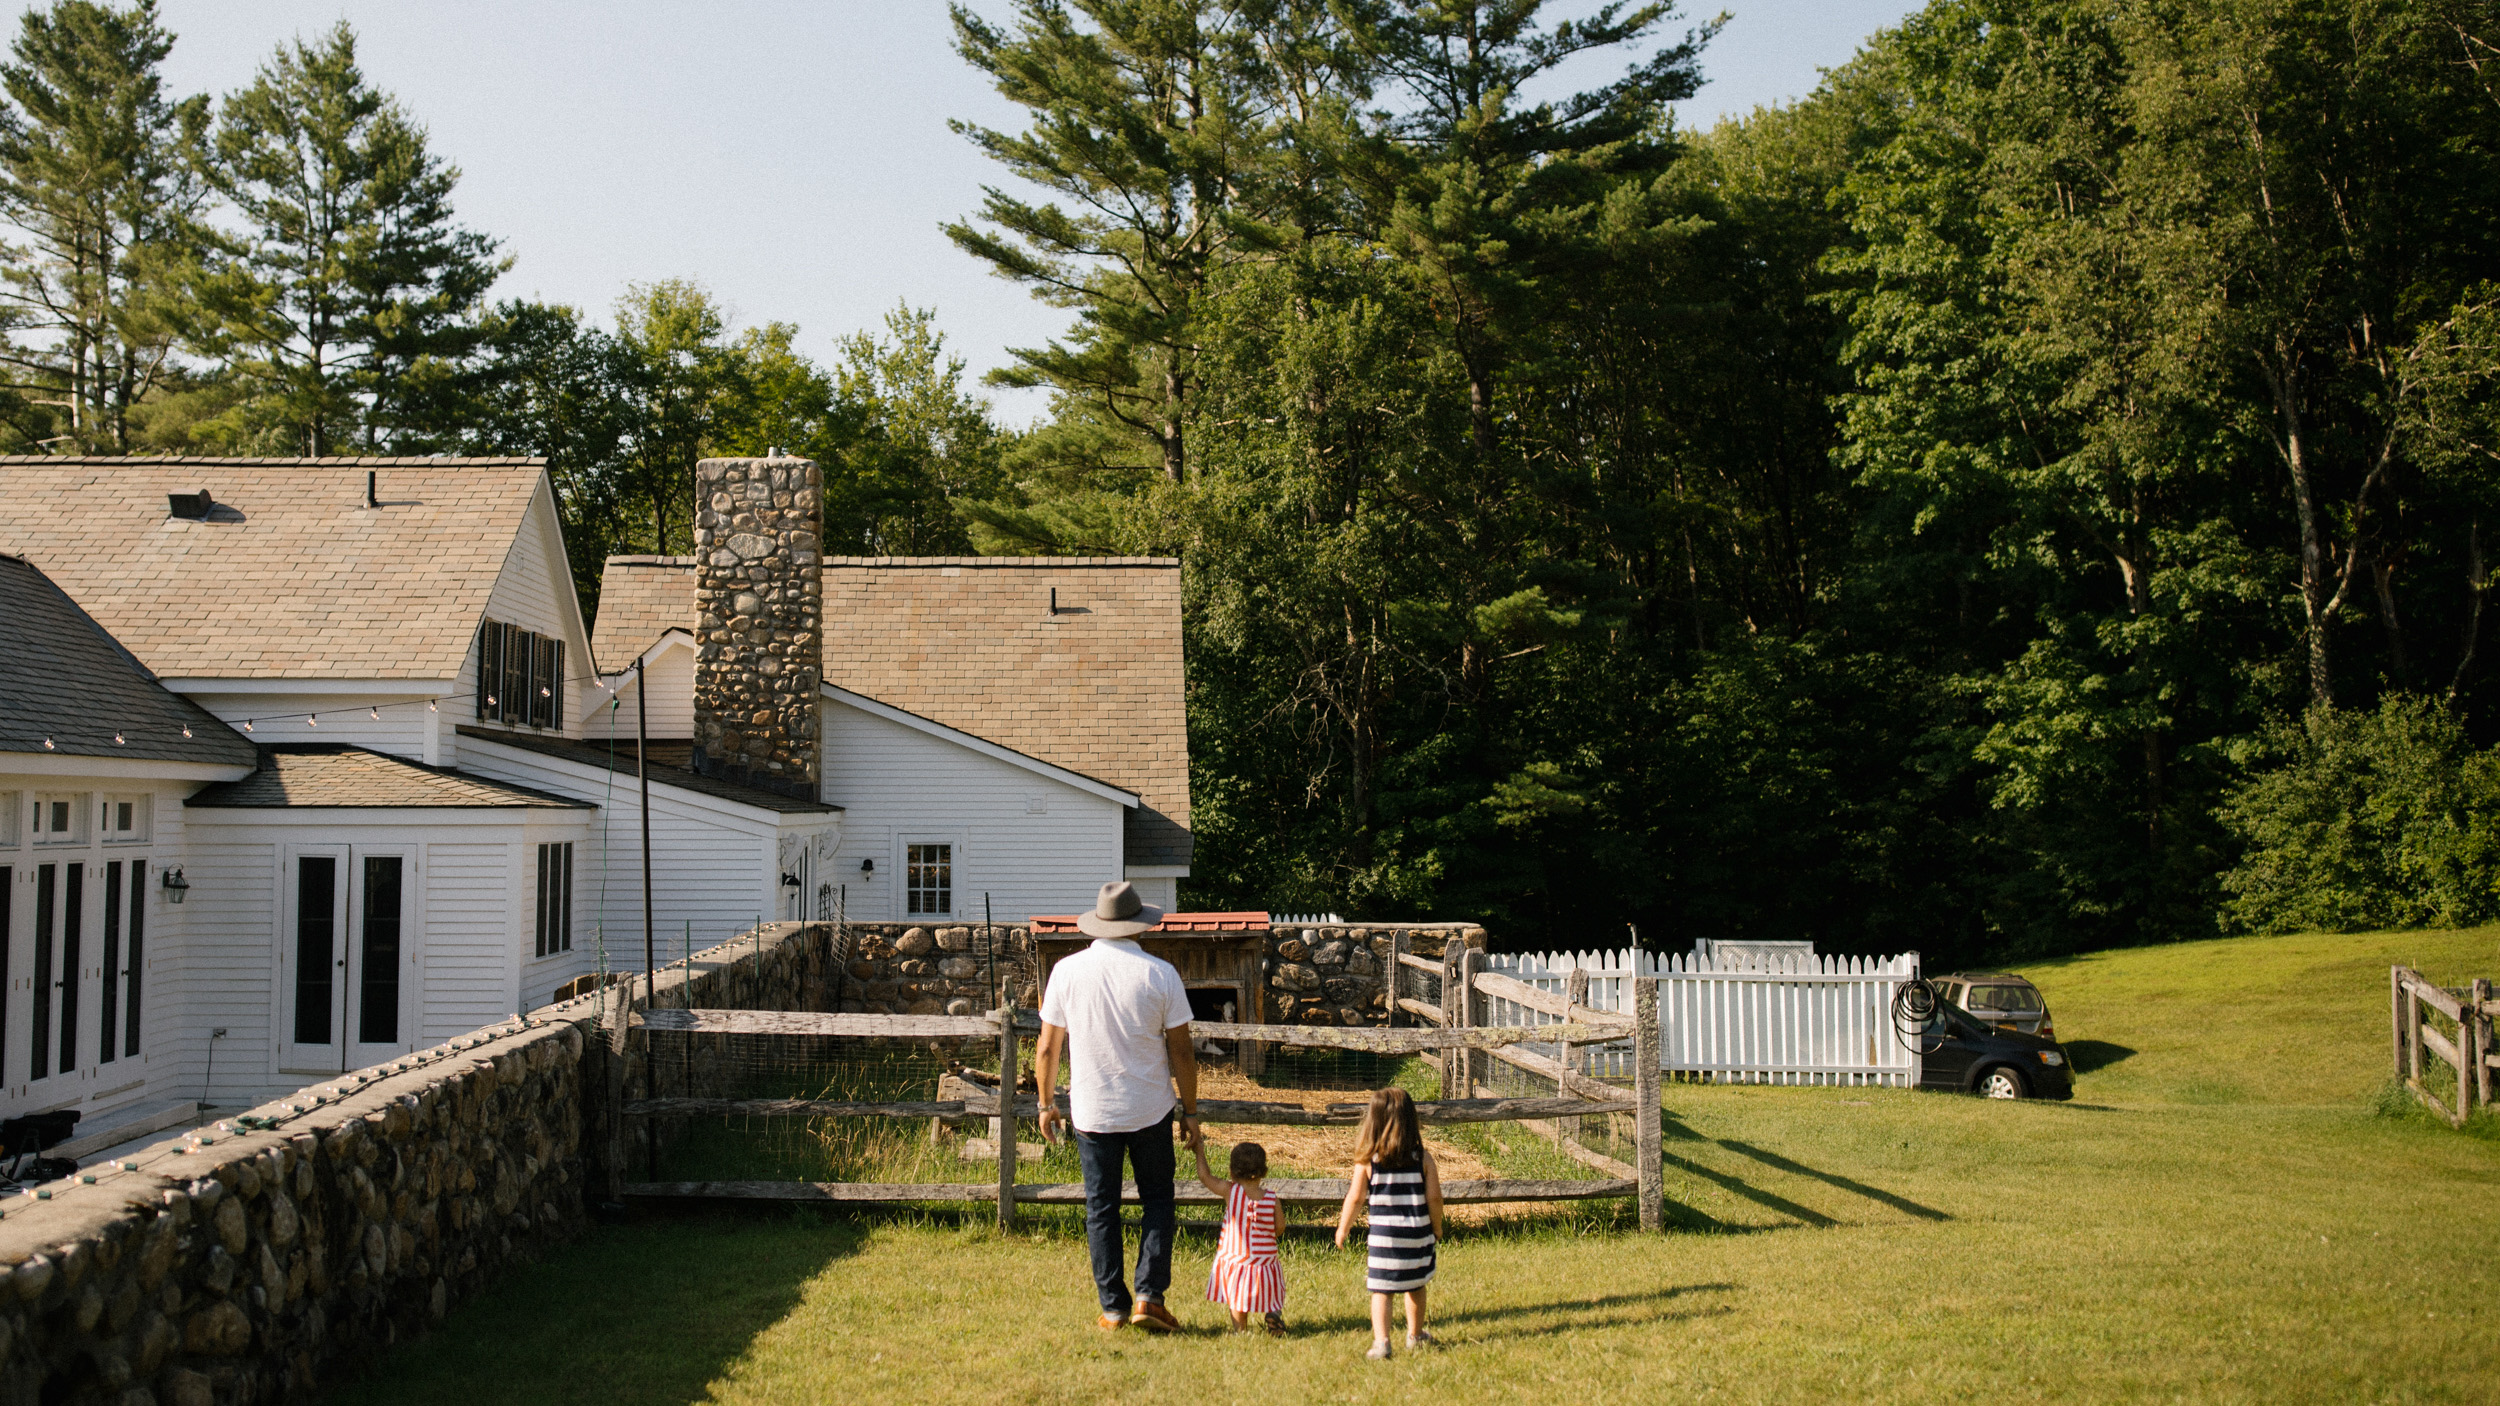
2229	1210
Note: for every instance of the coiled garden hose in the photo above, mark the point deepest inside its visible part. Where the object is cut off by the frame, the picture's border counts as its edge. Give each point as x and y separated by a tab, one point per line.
1914	1007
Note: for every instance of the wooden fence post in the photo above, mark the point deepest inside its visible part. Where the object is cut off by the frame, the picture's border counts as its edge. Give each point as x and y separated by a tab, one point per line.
1470	962
614	999
2482	1039
2396	1016
1650	1135
1391	976
1451	1004
2411	1017
1576	992
1006	1125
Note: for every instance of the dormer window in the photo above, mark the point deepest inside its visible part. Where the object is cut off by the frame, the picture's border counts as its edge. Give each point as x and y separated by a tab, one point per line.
520	676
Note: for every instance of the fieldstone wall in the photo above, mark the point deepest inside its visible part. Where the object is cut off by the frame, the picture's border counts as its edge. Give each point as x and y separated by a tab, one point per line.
759	642
264	1258
935	968
1341	973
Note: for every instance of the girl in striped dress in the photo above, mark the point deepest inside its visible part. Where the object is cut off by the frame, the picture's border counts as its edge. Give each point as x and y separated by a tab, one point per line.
1400	1184
1248	1276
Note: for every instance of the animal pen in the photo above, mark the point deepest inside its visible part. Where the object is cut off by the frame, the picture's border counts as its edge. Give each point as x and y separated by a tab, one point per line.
1006	1029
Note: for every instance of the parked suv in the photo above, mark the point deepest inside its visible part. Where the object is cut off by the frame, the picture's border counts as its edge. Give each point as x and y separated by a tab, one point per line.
1957	1051
2001	999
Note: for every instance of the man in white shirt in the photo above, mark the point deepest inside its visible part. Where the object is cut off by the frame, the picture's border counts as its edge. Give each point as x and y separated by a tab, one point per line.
1120	1017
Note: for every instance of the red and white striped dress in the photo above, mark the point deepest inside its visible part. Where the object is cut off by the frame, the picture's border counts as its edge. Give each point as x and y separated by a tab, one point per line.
1248	1276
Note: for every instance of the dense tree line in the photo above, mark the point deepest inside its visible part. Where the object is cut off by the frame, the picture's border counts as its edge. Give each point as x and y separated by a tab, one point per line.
2026	495
2010	500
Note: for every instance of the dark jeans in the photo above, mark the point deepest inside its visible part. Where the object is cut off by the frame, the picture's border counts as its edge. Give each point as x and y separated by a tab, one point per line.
1148	1152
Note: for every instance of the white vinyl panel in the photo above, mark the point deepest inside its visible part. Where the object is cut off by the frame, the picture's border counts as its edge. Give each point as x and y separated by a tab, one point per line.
711	862
471	890
218	971
1034	844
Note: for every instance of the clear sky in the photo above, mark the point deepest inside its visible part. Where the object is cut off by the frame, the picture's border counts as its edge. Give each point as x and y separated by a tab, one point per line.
792	155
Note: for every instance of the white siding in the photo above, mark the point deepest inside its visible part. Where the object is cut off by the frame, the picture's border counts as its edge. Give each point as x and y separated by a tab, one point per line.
346	718
896	783
472	891
466	900
672	700
714	864
535	592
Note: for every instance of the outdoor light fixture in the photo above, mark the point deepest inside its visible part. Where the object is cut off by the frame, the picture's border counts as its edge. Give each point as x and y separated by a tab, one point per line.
176	885
868	867
789	881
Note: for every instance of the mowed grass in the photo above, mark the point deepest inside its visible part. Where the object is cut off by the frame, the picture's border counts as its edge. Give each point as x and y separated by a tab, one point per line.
2226	1212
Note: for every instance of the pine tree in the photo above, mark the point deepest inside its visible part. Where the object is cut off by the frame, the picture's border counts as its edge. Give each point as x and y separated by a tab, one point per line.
96	174
349	288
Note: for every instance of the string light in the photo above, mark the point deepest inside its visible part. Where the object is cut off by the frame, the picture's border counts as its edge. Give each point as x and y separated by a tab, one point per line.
47	744
247	724
117	739
186	729
377	713
429	706
312	720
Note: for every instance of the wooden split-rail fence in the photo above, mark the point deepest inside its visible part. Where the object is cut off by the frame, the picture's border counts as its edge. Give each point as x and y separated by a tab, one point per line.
1584	1099
2467	1044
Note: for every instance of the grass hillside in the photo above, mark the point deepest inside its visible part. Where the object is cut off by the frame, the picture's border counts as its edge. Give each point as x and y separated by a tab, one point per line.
2226	1212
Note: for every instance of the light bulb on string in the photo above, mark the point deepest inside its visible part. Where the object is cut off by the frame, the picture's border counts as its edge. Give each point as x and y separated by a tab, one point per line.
429	706
186	729
117	738
247	724
377	713
47	744
490	700
312	720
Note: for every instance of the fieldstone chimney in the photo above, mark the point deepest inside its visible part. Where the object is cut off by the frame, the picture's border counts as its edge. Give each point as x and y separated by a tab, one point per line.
759	638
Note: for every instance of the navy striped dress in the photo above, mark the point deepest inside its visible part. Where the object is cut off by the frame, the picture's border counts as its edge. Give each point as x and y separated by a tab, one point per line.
1401	1229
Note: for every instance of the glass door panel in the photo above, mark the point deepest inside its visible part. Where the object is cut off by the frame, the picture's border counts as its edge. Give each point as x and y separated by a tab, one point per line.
379	961
312	961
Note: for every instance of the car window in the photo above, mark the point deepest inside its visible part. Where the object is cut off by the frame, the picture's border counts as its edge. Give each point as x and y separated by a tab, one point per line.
2022	999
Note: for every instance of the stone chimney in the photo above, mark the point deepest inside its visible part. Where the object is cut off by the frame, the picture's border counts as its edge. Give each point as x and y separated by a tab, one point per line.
759	637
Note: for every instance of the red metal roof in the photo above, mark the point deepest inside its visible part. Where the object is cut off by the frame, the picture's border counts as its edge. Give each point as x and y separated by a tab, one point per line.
1172	923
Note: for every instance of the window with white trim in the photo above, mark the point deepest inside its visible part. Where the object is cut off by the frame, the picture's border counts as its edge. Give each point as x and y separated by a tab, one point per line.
9	802
929	879
58	819
123	819
555	899
520	676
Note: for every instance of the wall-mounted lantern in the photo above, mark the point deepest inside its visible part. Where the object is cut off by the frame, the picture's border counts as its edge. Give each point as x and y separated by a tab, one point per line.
175	885
868	868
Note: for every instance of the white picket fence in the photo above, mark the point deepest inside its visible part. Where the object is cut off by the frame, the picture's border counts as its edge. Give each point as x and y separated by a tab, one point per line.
1780	1019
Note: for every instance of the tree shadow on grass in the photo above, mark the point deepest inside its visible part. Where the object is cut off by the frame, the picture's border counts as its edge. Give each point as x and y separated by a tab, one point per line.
646	1313
2084	1056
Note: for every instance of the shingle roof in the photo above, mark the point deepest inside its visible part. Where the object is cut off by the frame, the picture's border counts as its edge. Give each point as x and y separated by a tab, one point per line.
640	598
291	575
313	775
67	680
596	754
971	642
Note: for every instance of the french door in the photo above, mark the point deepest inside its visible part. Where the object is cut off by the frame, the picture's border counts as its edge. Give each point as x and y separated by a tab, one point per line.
54	991
345	958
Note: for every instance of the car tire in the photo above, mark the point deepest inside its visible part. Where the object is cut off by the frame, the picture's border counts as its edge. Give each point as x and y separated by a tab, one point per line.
2003	1081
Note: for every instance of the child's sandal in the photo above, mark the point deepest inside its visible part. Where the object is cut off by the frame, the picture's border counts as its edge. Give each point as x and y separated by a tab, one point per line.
1276	1325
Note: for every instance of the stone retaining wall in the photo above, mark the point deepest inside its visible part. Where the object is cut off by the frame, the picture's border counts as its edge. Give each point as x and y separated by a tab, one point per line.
1339	973
264	1258
935	968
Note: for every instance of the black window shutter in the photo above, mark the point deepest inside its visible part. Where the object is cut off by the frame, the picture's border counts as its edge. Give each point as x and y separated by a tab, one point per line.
489	665
555	686
515	672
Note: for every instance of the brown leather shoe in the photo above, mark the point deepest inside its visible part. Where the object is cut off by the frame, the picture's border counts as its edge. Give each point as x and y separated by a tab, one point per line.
1153	1317
1109	1321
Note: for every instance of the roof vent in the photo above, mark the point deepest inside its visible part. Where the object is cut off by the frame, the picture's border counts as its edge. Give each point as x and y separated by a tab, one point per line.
194	506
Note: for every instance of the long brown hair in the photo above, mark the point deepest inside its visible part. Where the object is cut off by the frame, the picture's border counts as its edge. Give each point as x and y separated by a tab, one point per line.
1391	1135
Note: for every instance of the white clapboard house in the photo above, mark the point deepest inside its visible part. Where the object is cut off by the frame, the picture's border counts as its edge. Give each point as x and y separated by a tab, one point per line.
308	763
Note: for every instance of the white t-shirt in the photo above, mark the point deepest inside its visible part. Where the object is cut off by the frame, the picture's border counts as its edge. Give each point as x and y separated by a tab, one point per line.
1116	1001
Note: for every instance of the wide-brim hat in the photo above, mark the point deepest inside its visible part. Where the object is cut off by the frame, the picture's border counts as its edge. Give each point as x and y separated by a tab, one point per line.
1118	912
